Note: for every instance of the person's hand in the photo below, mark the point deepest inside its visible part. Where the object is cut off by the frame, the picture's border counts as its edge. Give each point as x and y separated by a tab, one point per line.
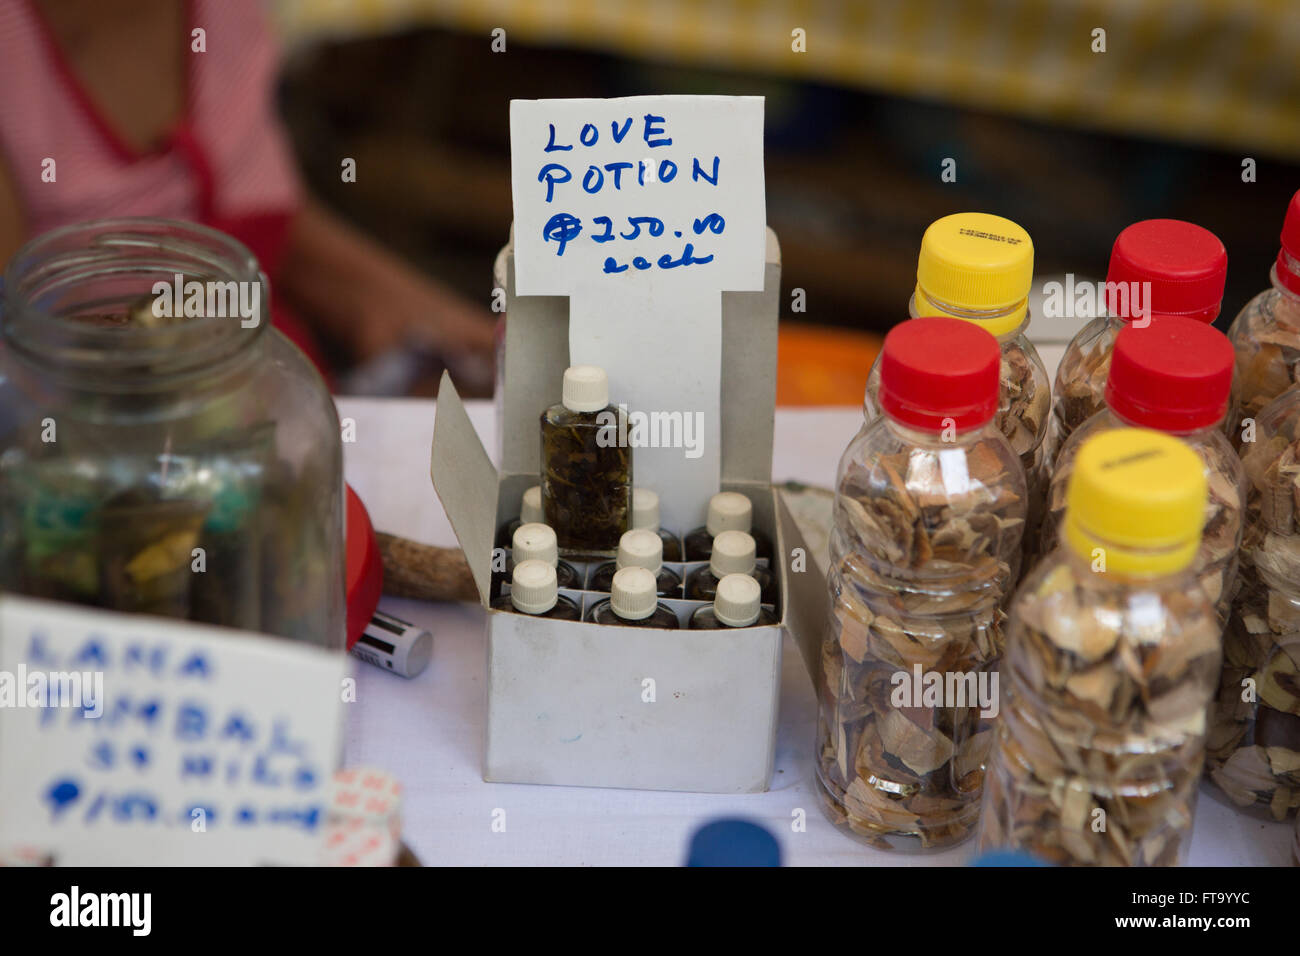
371	303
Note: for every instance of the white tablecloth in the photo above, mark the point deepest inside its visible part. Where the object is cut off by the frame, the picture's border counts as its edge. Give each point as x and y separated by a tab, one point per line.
429	731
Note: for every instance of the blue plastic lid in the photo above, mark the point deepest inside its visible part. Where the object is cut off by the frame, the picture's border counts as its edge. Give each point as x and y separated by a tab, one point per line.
1008	858
733	843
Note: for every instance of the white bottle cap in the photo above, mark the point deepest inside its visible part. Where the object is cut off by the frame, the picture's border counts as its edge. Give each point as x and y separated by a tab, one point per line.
533	589
645	509
586	388
733	553
736	603
535	542
530	509
640	548
729	511
633	594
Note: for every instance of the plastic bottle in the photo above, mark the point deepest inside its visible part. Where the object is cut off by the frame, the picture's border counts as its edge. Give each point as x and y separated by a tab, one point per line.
1112	658
1185	266
1254	749
1172	376
1266	332
929	512
533	591
645	515
530	512
737	602
536	542
728	511
633	603
733	553
980	268
638	548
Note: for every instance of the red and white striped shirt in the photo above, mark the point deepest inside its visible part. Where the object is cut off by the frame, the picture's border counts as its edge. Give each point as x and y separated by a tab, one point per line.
226	164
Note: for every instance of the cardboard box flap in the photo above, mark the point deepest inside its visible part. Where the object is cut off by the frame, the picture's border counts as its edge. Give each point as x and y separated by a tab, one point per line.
537	353
748	374
805	606
466	483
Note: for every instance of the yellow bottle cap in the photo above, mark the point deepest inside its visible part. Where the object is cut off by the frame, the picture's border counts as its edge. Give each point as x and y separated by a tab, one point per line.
1135	502
975	262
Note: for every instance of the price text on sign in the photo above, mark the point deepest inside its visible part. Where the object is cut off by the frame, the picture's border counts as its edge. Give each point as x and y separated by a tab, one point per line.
181	743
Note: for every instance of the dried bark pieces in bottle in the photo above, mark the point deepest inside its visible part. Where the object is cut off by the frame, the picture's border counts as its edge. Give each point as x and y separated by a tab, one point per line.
929	512
586	473
1157	267
1111	662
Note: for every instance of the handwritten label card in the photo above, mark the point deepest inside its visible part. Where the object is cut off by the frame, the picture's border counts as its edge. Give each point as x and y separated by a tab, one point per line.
138	740
643	210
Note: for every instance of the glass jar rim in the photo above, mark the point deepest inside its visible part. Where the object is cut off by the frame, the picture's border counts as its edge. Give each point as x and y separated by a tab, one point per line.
55	262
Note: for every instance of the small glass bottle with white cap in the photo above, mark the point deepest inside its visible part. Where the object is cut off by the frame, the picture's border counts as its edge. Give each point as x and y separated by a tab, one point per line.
645	514
728	511
638	548
633	603
530	510
533	591
737	602
586	472
733	553
536	542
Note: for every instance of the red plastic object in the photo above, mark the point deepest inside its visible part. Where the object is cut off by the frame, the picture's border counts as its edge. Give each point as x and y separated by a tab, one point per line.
1173	375
1290	246
1186	265
365	577
936	371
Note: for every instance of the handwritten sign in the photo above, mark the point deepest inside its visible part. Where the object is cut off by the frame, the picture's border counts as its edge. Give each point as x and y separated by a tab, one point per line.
139	740
643	210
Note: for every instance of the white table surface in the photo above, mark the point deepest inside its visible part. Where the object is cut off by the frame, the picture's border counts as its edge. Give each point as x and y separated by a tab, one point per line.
429	731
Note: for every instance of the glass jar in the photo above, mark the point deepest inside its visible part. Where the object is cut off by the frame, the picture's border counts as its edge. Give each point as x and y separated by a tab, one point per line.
1111	662
979	268
929	512
1173	376
183	462
1157	267
1266	333
1254	752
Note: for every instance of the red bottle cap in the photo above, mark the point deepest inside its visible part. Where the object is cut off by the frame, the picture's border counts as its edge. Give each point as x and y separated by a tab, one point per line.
1290	247
939	372
1173	375
1186	265
365	568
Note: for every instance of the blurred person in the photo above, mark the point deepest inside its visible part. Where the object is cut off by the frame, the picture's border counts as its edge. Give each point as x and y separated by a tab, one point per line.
139	122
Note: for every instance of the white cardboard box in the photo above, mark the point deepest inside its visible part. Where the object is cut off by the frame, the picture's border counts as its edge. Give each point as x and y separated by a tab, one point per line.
568	702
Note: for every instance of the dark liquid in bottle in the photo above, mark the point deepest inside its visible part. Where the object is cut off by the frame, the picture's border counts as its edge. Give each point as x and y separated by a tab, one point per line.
705	619
602	579
603	613
564	610
702	584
